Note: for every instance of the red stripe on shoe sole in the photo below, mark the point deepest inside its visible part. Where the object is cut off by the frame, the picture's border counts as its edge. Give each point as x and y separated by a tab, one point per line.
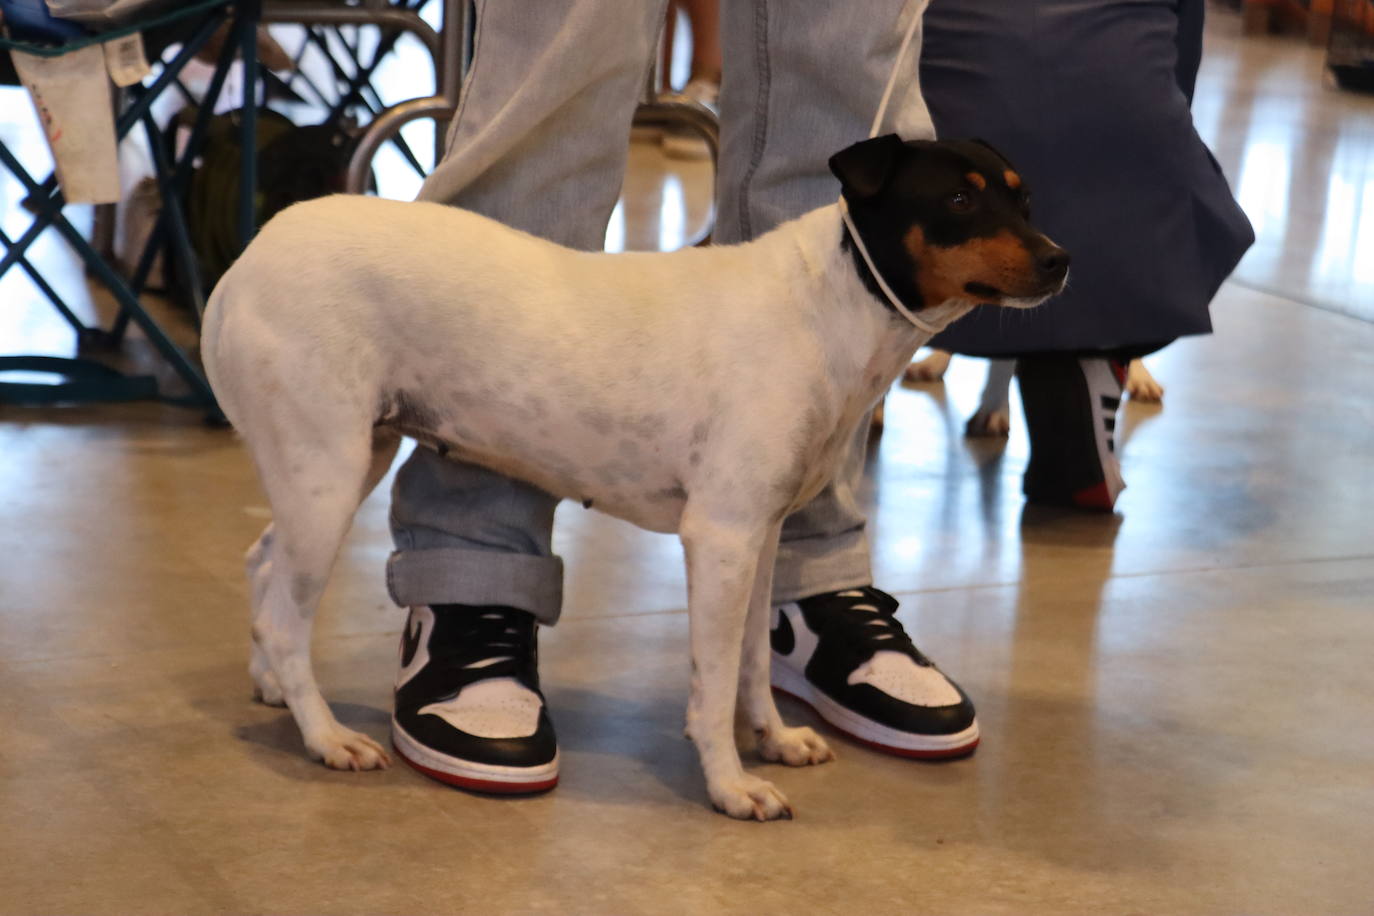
1098	496
491	787
909	753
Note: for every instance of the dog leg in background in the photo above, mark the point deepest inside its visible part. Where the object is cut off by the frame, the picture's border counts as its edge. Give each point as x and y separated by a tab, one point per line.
1141	385
777	742
314	494
258	566
993	418
722	563
930	369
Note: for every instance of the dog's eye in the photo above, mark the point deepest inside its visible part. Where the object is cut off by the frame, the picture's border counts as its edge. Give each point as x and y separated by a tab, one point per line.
961	202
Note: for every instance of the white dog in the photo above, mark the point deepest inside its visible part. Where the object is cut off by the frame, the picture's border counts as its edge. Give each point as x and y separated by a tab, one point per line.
708	392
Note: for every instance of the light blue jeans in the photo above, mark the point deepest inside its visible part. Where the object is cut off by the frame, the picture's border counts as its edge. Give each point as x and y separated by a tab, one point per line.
540	142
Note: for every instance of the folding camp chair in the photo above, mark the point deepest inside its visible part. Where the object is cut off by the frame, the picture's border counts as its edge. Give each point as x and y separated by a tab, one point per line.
87	380
330	39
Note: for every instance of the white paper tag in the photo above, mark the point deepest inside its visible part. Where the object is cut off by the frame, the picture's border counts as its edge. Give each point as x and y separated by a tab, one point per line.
125	60
72	95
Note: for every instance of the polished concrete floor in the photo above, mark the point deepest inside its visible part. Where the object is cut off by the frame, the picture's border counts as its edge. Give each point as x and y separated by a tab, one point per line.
1174	699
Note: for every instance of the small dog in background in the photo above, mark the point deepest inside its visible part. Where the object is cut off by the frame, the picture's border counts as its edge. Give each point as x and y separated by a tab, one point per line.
993	416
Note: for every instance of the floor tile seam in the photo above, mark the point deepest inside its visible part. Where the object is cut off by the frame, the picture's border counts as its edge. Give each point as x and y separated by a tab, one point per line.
1190	570
982	586
1147	573
191	647
1309	301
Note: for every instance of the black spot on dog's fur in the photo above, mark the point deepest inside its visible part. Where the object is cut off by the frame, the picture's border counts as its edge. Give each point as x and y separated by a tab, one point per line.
303	588
645	426
600	421
408	413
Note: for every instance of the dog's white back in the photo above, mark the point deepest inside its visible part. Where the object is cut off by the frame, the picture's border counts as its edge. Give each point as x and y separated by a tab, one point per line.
603	378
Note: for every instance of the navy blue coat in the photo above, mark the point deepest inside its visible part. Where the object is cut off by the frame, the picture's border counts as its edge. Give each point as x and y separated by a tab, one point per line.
1089	100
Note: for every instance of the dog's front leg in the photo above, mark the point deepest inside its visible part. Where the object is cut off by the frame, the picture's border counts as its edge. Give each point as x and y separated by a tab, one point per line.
776	741
722	560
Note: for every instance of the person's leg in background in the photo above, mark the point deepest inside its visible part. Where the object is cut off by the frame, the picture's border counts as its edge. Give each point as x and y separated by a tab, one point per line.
539	142
703	74
703	18
802	81
1137	188
1070	403
1071	400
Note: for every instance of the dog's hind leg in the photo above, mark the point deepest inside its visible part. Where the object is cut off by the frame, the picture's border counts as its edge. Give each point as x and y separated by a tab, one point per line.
314	491
994	413
777	741
266	689
722	561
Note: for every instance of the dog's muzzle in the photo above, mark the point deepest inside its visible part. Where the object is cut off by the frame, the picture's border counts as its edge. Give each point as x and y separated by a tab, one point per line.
1051	266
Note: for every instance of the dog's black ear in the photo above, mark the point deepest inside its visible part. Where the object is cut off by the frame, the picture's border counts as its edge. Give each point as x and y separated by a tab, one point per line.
864	168
992	149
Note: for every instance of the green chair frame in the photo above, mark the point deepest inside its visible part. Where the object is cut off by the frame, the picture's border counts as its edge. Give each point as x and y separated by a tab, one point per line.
88	381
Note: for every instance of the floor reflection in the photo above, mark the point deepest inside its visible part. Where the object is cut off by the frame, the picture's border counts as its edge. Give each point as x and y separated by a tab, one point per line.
1300	156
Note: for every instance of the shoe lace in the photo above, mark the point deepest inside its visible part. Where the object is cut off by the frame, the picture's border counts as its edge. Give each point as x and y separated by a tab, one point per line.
867	618
497	641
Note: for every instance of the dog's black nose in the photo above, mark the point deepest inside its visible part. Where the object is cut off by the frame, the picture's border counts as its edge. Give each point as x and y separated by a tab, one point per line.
1054	262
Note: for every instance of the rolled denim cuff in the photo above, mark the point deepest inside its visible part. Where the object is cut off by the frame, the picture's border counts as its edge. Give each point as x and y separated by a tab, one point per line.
478	577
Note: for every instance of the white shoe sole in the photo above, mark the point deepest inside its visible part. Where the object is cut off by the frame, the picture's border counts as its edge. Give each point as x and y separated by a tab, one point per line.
867	731
466	774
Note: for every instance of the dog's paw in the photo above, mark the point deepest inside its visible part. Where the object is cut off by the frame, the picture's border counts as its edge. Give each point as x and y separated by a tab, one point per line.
989	424
266	687
750	798
796	747
269	695
345	749
1141	385
930	369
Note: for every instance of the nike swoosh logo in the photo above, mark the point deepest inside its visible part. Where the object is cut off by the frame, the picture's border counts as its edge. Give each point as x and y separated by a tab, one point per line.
781	637
410	642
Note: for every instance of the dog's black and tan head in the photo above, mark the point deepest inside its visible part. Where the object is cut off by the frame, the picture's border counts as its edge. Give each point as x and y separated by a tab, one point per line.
947	220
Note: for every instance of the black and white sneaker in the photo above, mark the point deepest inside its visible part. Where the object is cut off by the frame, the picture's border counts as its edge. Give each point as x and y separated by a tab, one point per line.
468	707
845	655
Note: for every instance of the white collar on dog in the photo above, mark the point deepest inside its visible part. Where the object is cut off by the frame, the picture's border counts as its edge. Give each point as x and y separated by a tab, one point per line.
917	14
897	304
